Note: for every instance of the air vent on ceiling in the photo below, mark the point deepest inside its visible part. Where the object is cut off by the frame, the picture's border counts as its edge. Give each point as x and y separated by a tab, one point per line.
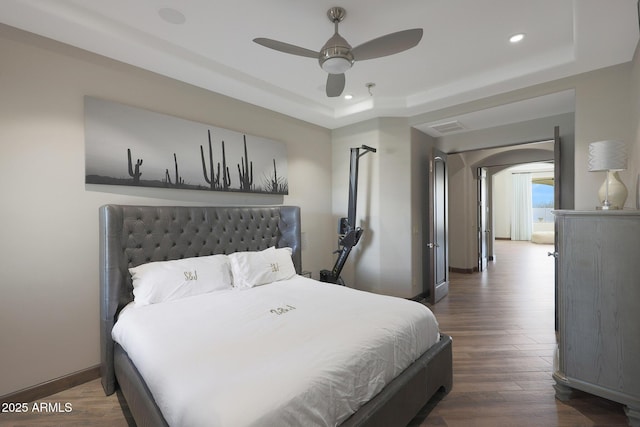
447	127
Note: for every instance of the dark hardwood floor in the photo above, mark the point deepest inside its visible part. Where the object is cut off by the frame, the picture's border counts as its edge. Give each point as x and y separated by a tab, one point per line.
502	326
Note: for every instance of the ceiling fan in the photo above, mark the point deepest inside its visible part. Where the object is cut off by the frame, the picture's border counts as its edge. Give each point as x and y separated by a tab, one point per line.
337	56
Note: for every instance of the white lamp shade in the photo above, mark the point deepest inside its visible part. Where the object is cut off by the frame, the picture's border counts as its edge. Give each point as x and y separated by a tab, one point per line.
607	156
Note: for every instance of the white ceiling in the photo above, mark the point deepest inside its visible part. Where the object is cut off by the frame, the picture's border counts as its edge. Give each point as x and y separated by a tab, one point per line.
464	53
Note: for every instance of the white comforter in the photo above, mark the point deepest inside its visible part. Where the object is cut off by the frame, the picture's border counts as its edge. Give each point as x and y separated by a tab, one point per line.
291	353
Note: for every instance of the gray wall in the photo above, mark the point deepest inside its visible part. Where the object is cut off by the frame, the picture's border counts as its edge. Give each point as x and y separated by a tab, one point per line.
382	261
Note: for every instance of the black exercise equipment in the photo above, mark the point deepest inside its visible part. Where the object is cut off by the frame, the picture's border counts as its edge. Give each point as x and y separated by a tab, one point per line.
348	233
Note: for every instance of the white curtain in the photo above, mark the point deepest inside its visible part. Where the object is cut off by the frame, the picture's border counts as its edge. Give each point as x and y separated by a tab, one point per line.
521	210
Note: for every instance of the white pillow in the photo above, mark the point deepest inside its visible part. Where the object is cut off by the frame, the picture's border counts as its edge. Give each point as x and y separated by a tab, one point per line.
251	269
169	280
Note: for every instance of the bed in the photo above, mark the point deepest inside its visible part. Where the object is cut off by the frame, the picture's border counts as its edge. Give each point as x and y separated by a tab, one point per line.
132	237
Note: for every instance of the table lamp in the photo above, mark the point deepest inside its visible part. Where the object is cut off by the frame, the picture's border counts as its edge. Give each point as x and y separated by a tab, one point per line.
609	156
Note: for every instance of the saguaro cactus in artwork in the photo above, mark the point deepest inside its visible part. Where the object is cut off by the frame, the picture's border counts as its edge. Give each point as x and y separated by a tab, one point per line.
212	179
179	180
274	183
246	172
226	176
135	173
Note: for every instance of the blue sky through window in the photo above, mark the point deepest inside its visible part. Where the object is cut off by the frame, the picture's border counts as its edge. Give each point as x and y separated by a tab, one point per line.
542	195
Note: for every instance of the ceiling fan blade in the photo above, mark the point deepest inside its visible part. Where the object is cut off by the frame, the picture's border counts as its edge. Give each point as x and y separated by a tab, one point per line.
335	85
286	47
388	45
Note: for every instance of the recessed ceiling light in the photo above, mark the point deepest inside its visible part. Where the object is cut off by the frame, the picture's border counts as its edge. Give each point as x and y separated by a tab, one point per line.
516	38
348	96
172	16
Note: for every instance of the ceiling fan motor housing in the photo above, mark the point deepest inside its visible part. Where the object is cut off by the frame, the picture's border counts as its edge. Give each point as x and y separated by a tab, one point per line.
335	56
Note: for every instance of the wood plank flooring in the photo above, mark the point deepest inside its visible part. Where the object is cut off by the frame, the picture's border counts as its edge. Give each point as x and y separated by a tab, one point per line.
502	324
503	334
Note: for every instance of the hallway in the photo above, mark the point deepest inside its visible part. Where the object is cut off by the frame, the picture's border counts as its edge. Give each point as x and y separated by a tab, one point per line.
502	324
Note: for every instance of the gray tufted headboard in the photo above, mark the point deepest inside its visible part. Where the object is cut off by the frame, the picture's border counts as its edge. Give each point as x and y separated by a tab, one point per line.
134	235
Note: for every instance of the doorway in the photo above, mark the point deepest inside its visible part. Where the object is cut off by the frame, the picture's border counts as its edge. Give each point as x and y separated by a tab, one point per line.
466	235
470	173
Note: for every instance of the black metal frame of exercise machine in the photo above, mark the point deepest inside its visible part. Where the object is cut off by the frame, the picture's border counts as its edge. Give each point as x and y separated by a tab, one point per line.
349	234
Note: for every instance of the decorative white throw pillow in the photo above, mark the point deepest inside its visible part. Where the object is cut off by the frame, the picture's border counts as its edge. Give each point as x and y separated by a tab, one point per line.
251	269
169	280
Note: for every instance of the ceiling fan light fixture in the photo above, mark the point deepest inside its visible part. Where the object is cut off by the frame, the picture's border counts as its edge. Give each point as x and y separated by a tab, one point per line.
336	65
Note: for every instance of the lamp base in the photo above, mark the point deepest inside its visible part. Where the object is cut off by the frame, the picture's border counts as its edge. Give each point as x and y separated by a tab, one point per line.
617	194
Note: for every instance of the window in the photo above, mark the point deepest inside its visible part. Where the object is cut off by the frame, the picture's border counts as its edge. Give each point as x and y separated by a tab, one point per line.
542	199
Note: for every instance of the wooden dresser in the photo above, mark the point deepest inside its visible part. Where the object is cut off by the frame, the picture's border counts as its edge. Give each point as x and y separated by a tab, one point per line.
599	306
